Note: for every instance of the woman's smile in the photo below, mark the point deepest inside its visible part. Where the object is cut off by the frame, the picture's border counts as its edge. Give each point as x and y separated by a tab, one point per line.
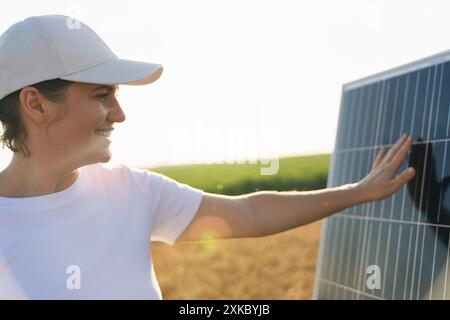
104	133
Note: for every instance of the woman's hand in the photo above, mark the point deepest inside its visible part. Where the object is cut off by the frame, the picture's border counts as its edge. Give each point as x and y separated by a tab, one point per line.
382	180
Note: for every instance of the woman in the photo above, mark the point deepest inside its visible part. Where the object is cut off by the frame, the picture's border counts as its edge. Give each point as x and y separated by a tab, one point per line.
73	227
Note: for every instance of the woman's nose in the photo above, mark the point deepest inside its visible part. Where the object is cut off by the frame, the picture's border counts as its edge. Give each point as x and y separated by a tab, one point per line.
116	113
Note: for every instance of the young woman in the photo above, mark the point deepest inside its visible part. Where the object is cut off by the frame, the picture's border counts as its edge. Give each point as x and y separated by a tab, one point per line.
74	227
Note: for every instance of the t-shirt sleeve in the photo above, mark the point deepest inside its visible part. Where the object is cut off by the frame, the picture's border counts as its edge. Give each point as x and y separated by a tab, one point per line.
173	205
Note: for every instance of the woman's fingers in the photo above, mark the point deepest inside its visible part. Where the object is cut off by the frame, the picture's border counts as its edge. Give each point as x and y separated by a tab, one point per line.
401	154
379	157
382	181
402	178
395	148
383	157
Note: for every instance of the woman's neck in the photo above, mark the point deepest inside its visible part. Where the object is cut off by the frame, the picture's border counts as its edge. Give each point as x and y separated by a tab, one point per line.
24	177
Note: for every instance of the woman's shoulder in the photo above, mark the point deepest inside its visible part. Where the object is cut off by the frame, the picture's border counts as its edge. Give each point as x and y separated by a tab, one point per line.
115	170
101	167
117	176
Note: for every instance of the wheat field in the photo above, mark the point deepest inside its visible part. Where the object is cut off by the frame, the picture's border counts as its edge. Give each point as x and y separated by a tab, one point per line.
280	266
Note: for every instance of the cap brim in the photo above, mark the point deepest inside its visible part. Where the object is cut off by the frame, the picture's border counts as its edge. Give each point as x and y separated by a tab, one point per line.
119	71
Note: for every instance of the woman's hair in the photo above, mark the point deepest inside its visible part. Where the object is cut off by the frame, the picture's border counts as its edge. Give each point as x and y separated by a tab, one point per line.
14	133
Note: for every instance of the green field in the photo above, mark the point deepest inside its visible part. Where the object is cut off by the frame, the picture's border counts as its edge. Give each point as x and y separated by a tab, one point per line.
295	173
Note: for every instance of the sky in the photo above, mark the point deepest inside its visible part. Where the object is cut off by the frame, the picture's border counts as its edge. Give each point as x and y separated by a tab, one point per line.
244	80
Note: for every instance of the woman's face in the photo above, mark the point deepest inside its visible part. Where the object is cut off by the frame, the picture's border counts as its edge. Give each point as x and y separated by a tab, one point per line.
82	134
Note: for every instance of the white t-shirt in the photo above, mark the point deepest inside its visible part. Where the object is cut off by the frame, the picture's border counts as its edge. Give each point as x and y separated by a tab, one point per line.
92	239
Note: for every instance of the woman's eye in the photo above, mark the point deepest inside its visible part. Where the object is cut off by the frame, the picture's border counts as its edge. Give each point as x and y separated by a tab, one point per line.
103	96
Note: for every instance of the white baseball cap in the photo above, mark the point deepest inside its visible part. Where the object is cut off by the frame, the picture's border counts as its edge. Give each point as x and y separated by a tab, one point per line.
47	47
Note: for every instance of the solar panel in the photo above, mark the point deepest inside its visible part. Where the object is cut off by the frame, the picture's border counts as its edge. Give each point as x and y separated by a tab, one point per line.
396	248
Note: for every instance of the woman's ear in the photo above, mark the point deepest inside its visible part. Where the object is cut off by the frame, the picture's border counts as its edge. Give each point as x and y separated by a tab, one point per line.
33	105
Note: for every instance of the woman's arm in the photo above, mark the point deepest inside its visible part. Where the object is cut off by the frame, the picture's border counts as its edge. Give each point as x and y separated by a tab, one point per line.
276	211
267	212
